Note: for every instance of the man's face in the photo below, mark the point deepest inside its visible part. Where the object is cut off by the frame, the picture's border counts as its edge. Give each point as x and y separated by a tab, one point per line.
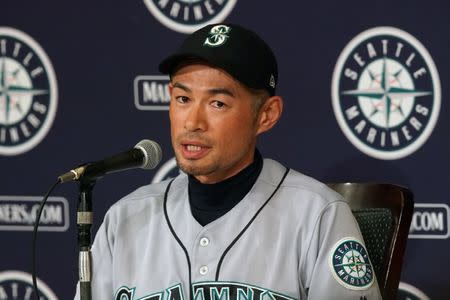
213	123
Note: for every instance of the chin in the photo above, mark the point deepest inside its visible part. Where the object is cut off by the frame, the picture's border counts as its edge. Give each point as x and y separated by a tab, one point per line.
192	168
195	171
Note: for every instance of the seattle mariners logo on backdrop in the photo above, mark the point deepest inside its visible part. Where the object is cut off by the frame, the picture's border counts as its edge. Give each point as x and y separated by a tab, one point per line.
189	15
28	92
350	265
168	170
19	285
386	93
409	292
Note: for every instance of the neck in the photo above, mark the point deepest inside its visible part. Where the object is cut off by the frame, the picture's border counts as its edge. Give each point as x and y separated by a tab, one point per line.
223	175
210	201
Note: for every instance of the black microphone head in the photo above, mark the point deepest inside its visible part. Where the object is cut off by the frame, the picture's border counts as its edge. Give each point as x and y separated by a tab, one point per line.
152	153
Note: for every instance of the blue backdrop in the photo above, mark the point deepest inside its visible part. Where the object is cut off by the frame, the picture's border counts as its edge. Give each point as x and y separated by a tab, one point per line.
365	92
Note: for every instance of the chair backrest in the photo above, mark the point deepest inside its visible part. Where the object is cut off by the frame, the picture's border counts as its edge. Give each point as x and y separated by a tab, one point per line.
384	213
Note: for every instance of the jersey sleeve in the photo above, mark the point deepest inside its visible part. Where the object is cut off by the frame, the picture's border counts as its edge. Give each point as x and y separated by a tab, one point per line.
101	262
337	264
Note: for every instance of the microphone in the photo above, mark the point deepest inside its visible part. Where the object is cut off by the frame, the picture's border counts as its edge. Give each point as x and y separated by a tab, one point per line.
145	155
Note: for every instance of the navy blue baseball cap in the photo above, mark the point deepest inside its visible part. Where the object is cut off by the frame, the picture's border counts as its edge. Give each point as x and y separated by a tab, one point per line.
233	48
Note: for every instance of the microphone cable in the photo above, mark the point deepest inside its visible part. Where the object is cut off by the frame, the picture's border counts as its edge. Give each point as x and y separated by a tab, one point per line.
33	246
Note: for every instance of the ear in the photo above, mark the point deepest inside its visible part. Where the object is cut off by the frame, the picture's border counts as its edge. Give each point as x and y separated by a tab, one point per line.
269	114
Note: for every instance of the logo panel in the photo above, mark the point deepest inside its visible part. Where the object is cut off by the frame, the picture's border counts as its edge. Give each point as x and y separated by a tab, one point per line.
350	265
386	93
409	292
151	92
167	171
18	213
19	285
28	92
186	16
430	221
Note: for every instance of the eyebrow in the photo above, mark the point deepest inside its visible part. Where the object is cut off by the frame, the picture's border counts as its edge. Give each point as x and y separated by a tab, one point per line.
213	91
181	86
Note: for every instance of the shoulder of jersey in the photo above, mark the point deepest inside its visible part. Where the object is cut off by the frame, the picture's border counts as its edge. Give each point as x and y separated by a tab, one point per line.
140	198
302	184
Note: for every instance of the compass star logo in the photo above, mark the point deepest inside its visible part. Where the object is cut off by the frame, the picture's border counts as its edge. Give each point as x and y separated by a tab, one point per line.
386	93
28	92
187	16
350	265
16	284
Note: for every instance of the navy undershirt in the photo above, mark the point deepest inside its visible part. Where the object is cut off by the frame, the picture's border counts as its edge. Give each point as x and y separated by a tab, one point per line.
211	201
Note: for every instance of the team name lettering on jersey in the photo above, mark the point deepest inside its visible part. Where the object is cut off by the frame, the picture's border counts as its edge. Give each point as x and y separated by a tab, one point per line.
207	291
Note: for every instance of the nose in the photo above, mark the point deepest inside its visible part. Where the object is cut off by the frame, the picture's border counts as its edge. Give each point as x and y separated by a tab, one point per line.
196	118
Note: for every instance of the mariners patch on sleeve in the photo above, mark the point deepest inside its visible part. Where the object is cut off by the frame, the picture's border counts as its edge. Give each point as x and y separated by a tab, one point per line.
350	265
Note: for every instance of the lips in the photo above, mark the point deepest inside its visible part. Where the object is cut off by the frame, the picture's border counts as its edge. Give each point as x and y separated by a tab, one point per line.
194	150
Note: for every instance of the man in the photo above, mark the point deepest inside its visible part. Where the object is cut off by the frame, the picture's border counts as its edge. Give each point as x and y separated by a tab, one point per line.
234	226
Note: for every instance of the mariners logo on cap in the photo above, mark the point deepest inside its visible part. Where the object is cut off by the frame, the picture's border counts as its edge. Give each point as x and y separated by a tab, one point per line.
218	35
350	265
28	92
386	93
189	15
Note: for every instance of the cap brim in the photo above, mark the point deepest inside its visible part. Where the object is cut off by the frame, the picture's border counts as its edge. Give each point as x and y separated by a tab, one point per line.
170	64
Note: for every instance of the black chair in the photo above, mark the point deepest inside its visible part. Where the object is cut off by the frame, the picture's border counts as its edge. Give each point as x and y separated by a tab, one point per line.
384	213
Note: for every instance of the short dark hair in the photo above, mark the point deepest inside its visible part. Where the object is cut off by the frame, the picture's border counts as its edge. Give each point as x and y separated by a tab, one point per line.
260	98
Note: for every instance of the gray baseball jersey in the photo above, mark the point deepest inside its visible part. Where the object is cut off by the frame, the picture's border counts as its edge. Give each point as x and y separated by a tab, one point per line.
290	237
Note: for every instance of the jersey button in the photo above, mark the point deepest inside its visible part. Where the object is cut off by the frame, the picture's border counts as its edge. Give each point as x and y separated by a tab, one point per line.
204	242
203	270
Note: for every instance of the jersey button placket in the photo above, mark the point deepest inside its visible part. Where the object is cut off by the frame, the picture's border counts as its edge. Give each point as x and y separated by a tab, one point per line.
203	257
204	242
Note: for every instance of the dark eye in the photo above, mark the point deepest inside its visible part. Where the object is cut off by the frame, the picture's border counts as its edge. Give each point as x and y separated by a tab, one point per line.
182	99
218	104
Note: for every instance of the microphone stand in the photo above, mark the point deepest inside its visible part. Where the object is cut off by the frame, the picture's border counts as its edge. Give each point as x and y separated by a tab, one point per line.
84	224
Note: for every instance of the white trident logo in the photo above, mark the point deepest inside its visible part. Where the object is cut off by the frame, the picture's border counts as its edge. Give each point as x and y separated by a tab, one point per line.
217	36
